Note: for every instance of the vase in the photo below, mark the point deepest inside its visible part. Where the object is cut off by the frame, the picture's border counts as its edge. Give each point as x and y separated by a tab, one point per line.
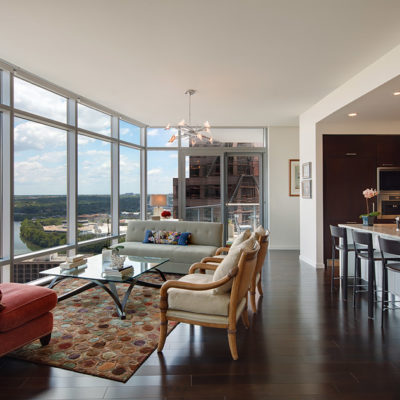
368	220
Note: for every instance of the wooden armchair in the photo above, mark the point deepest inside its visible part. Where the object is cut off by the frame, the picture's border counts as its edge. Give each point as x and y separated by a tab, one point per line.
207	302
256	278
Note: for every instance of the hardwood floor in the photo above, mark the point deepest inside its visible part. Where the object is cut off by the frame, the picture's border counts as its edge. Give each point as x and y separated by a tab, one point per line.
304	343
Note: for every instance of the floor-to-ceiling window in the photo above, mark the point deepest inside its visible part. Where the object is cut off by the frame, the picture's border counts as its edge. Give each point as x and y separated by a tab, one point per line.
74	173
70	174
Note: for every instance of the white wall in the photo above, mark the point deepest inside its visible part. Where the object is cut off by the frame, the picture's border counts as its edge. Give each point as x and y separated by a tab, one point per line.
311	211
284	211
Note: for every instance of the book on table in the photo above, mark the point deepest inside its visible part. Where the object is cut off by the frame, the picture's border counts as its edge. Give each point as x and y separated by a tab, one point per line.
119	272
71	265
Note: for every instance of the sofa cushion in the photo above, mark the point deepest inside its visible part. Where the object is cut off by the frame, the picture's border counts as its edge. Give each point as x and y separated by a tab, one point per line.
161	237
23	303
184	239
202	233
181	254
241	238
225	267
198	301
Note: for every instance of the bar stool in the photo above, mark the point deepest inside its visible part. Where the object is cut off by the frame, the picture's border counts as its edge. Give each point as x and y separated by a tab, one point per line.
362	239
338	233
391	247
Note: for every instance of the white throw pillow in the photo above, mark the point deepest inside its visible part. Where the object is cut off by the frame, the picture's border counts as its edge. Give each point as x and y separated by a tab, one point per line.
225	267
241	238
249	243
260	231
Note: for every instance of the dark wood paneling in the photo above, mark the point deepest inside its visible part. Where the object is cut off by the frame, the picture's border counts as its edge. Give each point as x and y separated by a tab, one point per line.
388	151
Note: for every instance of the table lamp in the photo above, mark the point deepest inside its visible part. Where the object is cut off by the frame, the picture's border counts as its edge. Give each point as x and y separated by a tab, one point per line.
157	201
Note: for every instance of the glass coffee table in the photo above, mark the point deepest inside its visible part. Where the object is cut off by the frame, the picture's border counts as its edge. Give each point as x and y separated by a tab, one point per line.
93	271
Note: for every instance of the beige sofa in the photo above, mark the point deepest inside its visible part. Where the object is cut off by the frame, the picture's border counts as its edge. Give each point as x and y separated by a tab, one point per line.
206	237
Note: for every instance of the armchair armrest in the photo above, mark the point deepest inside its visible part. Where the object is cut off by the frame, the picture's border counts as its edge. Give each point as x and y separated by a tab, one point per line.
222	250
195	286
201	266
211	259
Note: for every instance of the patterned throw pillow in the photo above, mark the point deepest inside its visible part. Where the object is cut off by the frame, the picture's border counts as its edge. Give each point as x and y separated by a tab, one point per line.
161	237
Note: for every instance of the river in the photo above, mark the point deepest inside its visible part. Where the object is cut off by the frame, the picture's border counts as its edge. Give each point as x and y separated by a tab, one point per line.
19	245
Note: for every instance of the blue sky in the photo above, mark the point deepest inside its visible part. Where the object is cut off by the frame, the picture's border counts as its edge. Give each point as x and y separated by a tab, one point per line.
40	166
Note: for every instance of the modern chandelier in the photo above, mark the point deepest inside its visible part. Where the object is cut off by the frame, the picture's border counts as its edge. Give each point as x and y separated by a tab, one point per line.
189	131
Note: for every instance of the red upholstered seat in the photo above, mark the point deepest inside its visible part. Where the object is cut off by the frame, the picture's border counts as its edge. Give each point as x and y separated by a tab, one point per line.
23	303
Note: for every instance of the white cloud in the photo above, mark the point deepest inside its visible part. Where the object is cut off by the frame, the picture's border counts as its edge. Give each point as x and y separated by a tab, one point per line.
173	155
154	171
33	136
36	100
38	176
93	120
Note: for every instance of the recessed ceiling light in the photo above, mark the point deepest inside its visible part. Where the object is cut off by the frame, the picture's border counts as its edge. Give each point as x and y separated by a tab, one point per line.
352	115
396	93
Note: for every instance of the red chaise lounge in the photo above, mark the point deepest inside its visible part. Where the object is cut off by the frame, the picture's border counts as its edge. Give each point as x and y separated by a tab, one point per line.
25	315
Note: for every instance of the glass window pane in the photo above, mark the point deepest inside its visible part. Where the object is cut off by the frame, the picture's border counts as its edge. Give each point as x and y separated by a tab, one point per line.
93	120
243	201
129	132
129	200
203	188
94	188
162	178
36	100
233	137
40	186
29	270
159	137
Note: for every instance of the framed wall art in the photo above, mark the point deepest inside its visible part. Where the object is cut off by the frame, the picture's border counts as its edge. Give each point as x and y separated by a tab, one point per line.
294	177
306	189
306	170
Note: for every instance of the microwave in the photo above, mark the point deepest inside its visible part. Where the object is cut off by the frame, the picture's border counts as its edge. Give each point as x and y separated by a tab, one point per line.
388	179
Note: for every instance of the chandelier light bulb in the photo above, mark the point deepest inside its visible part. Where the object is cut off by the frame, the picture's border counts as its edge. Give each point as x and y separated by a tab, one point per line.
186	129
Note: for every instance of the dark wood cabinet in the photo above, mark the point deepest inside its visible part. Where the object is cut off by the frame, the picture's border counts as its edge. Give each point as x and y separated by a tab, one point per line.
350	163
388	151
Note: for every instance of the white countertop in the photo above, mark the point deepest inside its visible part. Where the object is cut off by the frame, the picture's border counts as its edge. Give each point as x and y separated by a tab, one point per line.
379	229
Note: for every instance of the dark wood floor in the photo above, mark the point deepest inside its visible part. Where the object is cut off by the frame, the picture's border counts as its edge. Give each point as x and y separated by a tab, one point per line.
304	343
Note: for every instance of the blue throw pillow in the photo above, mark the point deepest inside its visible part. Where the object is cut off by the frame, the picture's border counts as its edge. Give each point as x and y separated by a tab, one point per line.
184	239
148	237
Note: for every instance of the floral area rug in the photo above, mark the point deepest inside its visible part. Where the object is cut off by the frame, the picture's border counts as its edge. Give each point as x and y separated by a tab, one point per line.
89	337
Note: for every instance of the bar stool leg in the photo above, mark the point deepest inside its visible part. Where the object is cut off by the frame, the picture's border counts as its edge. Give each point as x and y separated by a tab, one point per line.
345	274
356	271
385	297
333	268
371	267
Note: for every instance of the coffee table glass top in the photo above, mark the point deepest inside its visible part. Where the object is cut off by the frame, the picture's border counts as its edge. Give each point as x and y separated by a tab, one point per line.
94	269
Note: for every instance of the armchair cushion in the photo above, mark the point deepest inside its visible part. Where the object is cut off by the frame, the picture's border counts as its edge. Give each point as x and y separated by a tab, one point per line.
224	268
198	301
241	238
206	318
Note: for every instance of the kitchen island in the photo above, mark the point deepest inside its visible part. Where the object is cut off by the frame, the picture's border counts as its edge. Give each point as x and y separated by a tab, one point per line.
387	231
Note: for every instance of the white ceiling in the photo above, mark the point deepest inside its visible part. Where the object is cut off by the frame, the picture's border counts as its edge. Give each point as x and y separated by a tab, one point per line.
253	62
377	112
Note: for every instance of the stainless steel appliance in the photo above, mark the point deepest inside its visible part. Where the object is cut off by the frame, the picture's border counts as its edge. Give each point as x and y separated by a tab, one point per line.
388	180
